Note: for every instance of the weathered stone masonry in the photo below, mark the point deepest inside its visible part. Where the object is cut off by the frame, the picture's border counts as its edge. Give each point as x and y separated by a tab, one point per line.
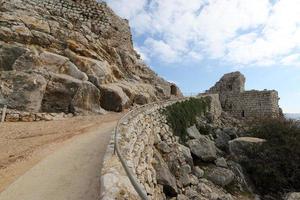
82	10
140	134
245	104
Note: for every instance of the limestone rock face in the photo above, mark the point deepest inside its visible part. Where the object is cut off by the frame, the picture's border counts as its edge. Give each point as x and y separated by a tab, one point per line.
78	50
23	91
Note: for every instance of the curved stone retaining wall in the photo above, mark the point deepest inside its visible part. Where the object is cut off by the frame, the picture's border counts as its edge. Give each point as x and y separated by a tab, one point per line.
138	133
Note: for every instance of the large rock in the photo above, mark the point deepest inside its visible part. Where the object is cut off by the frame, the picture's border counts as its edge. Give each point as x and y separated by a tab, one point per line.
222	140
203	148
99	72
69	95
22	91
113	98
61	65
293	196
164	176
220	176
8	55
241	147
187	154
193	132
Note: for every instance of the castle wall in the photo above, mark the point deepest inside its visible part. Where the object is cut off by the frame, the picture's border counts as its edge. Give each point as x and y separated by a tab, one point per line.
245	104
251	104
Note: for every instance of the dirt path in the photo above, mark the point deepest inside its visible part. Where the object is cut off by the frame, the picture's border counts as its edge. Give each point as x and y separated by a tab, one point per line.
71	169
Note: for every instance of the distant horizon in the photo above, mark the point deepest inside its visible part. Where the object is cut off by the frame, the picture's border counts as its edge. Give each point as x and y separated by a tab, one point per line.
194	43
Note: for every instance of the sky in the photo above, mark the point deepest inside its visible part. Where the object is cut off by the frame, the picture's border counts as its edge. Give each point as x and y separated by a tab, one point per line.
194	42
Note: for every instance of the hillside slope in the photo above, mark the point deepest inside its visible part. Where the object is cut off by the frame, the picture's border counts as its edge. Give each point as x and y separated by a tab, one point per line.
71	56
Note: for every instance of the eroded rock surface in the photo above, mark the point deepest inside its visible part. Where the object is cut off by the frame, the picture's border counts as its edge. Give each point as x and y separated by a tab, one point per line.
71	56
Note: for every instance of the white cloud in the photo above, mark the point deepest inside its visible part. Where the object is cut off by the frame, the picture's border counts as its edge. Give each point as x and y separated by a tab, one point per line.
291	60
236	31
160	49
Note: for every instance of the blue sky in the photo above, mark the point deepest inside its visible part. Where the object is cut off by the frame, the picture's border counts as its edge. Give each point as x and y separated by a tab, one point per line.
194	42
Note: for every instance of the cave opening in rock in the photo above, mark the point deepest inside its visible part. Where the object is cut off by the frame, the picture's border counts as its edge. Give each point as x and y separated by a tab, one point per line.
173	90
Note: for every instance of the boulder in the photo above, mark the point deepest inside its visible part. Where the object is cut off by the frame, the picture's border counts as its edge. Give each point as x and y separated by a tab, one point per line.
22	91
221	162
141	99
36	24
187	154
163	147
220	176
193	132
113	98
99	72
164	176
203	148
198	172
293	196
69	95
222	140
241	147
8	55
182	197
60	64
231	131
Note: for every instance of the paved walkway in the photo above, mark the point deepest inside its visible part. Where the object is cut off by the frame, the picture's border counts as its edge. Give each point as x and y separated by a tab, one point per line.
71	173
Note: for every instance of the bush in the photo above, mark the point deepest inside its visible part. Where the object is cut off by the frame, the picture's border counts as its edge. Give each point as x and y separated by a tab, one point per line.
275	167
182	115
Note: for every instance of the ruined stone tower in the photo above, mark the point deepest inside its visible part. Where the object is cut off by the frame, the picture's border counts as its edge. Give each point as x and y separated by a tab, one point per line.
245	104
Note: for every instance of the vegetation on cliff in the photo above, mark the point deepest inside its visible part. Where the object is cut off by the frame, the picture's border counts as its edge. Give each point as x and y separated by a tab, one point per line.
182	115
275	167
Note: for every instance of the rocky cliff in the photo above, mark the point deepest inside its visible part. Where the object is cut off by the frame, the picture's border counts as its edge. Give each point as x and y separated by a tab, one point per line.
71	56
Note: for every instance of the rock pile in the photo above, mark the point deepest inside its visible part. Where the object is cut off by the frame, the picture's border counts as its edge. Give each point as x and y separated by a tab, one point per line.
21	116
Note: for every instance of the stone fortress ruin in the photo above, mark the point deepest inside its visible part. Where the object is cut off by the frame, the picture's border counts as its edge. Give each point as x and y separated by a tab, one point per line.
245	104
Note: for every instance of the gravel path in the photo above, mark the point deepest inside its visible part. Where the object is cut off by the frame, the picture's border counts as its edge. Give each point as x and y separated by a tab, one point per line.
70	173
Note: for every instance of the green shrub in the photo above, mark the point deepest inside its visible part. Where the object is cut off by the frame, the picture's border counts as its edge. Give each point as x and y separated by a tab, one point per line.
275	168
182	115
